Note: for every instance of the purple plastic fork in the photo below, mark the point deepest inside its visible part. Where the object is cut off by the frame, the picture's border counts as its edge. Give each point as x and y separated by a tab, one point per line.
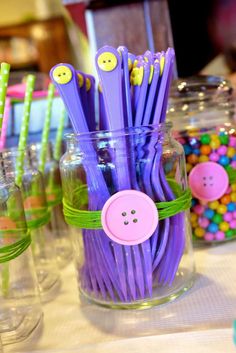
111	82
70	95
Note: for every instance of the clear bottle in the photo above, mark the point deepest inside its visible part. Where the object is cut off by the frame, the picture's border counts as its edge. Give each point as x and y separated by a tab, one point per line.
57	225
20	309
202	112
123	258
37	217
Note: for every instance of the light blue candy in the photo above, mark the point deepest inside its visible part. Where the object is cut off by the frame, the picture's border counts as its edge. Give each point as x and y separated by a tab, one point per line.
212	228
208	213
231	207
224	160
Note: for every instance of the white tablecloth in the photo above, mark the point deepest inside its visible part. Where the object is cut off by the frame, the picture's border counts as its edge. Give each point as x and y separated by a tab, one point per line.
200	321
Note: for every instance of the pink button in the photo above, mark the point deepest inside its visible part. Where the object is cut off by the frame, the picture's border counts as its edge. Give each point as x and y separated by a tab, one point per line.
129	217
208	181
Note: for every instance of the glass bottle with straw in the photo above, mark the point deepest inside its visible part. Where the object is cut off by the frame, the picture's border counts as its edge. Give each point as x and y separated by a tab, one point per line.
32	186
20	309
42	157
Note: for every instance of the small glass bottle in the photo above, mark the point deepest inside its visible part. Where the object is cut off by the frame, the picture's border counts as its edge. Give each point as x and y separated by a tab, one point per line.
57	225
37	217
113	183
20	309
202	111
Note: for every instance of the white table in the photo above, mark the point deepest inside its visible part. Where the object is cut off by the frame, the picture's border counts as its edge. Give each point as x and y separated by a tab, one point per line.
199	321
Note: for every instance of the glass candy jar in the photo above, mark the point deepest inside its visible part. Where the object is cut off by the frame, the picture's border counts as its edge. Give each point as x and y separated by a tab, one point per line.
125	192
20	308
202	112
57	224
37	218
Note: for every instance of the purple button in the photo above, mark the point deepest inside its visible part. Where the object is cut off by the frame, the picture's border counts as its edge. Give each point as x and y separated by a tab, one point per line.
208	181
129	217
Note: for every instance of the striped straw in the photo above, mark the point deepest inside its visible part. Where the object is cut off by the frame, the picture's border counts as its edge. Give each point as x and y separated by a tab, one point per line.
46	128
30	81
5	70
6	115
60	129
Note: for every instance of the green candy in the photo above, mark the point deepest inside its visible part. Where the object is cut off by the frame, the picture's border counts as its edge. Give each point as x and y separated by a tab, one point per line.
224	139
205	139
217	218
229	233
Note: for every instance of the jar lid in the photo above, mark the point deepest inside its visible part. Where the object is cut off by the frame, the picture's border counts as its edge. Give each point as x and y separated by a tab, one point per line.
198	99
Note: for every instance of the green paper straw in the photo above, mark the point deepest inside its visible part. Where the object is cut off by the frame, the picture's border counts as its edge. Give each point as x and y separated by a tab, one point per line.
5	70
60	129
46	128
30	81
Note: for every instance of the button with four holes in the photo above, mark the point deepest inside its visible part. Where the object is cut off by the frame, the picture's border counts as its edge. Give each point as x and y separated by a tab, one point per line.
129	217
208	181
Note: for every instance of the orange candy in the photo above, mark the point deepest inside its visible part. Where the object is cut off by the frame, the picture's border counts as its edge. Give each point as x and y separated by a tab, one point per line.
225	199
192	159
6	223
33	202
205	150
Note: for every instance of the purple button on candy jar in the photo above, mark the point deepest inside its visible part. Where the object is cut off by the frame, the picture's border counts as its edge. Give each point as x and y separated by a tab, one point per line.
202	111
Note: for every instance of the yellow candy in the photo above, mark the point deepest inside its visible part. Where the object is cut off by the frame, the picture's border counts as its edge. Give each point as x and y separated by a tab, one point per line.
215	137
233	196
233	186
188	167
214	205
224	226
194	224
199	232
203	159
193	217
231	152
222	209
215	144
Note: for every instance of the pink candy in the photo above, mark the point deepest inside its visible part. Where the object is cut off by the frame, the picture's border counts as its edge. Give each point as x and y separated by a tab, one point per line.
209	236
199	209
203	222
214	157
234	214
220	235
233	224
233	164
228	217
232	141
222	150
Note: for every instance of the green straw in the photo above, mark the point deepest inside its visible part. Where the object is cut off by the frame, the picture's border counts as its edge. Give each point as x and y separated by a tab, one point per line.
46	128
60	129
5	70
30	81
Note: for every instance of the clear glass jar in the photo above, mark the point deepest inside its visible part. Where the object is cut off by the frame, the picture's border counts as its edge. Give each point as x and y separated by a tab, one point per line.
37	218
20	307
57	225
202	112
155	265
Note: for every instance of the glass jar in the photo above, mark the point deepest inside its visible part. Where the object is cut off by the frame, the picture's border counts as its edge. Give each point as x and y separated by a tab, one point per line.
202	112
20	308
57	224
113	183
37	218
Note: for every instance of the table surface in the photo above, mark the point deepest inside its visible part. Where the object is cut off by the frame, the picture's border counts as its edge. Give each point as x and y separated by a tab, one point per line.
200	320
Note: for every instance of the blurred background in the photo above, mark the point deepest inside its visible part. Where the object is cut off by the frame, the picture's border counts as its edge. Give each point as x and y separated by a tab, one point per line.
37	34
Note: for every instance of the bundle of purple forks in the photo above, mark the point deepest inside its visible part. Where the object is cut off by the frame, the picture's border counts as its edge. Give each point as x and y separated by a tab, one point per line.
132	94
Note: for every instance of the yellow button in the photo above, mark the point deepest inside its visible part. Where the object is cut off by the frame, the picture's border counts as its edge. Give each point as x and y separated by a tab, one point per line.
107	61
88	84
136	77
81	79
62	74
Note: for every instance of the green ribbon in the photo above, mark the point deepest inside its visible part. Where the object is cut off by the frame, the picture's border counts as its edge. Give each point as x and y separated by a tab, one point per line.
58	197
92	219
38	222
11	251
